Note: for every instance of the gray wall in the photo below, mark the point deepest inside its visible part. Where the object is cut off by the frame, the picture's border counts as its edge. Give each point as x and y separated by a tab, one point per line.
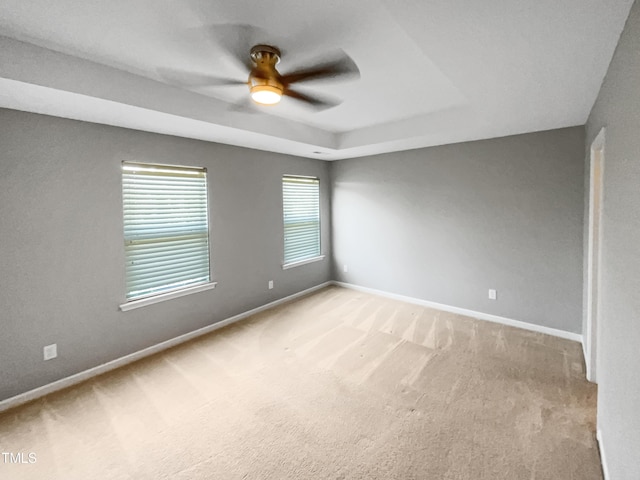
446	224
62	253
618	109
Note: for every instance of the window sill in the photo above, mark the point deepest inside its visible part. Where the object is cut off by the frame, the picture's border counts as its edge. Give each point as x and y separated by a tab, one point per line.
287	266
143	302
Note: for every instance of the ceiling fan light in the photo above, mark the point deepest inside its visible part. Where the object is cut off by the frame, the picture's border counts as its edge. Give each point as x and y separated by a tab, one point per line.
266	94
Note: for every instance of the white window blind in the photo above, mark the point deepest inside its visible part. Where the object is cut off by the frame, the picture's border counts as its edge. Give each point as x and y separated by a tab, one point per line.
301	208
166	231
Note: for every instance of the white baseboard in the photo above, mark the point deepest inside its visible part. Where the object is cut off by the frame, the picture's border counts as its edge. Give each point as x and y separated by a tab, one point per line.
576	337
119	362
603	458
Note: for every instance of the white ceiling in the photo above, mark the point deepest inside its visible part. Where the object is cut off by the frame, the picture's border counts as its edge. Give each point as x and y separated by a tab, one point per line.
432	73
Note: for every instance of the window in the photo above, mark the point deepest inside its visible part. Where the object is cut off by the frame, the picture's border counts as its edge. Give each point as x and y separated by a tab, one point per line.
301	210
166	230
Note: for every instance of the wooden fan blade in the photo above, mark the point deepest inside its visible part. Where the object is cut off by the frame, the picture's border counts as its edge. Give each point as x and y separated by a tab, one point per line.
191	79
316	102
245	105
340	67
237	40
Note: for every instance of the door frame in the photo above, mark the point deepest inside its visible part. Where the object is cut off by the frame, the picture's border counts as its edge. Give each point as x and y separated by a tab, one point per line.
596	192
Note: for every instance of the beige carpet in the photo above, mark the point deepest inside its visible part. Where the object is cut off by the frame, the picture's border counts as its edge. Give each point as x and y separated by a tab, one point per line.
337	385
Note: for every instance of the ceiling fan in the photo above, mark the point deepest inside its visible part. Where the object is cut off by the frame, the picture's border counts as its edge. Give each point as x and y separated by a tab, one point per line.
266	84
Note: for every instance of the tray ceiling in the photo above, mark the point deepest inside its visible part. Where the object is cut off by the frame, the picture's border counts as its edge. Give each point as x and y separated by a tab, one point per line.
432	73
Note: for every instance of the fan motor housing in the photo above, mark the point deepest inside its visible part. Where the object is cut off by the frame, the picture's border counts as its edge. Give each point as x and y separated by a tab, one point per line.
264	73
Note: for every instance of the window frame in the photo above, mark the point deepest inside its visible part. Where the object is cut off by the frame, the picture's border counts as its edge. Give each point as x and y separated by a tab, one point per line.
301	261
163	295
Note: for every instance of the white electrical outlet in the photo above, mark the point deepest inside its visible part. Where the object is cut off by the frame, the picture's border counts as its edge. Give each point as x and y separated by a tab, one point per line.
345	269
270	284
50	351
493	294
